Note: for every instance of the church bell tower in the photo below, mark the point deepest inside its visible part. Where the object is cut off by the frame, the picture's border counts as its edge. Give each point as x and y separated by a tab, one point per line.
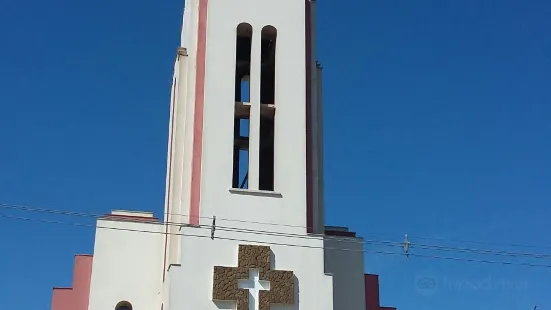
243	226
245	139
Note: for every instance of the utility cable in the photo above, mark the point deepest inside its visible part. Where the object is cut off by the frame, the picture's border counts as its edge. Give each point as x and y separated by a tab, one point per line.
301	236
82	214
280	244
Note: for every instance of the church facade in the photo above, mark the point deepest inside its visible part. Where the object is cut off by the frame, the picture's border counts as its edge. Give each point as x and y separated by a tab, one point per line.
243	224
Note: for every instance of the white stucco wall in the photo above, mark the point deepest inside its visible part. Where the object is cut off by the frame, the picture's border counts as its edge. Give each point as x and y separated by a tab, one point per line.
127	265
192	282
344	260
287	16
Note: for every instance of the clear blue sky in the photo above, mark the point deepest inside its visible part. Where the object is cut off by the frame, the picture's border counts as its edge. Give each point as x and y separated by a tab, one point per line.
438	124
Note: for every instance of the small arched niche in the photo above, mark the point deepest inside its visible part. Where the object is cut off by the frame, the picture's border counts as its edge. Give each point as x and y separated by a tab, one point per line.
123	305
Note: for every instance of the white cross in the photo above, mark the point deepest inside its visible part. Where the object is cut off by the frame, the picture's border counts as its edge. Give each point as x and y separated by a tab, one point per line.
254	285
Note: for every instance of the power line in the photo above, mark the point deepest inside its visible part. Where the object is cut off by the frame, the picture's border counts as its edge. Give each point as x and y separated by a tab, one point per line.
180	234
301	236
287	244
401	244
433	247
513	245
223	228
480	260
44	210
479	251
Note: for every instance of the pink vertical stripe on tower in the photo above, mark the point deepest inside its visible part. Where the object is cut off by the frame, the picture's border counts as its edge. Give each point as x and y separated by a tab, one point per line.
195	195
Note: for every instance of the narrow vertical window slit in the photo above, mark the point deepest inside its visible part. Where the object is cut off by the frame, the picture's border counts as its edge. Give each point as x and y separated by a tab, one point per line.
267	108
242	106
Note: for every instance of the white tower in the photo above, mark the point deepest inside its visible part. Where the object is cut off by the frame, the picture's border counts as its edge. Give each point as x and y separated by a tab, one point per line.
245	148
245	130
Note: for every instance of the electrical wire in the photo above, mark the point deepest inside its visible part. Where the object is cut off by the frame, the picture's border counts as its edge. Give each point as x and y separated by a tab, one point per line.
479	251
480	260
418	245
179	234
301	236
222	228
512	245
368	242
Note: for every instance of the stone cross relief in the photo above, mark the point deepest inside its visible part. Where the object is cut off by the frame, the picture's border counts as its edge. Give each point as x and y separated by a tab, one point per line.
252	284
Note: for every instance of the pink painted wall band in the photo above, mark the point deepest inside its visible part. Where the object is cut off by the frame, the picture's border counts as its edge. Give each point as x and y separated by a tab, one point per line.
195	195
372	293
76	297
